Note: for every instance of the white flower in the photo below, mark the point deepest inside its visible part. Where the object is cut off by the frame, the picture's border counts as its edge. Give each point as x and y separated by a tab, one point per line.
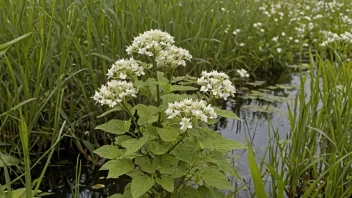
124	68
217	84
279	50
243	73
185	124
275	38
172	56
114	92
283	33
190	111
150	43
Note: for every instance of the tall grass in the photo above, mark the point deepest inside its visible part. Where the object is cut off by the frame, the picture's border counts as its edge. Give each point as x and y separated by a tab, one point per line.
314	159
49	77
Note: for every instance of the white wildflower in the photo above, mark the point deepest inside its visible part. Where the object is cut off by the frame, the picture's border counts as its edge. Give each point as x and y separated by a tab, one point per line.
217	84
114	92
275	39
186	124
279	50
190	111
150	43
172	56
124	68
243	73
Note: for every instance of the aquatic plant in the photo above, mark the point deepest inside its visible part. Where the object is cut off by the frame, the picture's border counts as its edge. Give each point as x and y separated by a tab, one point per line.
166	145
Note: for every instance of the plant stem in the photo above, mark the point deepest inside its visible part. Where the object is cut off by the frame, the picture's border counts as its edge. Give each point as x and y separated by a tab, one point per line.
183	137
132	118
157	92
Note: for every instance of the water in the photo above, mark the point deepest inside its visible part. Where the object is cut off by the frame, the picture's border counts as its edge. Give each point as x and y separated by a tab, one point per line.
60	177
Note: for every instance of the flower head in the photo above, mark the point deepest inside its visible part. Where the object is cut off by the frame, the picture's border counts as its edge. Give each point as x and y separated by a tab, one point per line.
189	112
217	83
172	56
243	73
124	68
150	43
114	92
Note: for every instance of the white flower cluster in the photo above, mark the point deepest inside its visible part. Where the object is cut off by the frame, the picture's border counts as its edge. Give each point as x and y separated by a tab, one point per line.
159	45
172	56
124	68
217	83
114	92
330	37
150	43
243	73
190	111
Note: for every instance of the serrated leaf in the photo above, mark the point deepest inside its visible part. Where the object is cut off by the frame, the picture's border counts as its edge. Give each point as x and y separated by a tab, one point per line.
144	164
166	182
168	134
207	143
224	145
220	161
213	177
189	192
147	114
115	126
158	148
226	114
117	167
109	152
133	145
186	152
140	185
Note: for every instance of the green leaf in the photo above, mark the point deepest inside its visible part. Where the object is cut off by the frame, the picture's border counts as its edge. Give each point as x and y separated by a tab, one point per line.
144	164
166	182
133	145
115	126
147	114
8	160
186	152
256	176
127	191
224	145
19	193
168	134
189	192
207	143
220	161
140	185
213	177
183	88
116	196
109	152
118	167
205	192
4	47
158	148
226	114
117	108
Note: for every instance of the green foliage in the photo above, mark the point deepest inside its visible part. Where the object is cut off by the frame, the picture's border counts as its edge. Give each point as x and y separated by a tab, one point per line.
162	158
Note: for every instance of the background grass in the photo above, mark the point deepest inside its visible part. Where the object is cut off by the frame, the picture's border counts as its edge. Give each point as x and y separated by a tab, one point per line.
52	74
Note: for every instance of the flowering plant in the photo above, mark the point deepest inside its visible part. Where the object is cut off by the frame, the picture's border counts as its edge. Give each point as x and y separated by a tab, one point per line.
166	145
